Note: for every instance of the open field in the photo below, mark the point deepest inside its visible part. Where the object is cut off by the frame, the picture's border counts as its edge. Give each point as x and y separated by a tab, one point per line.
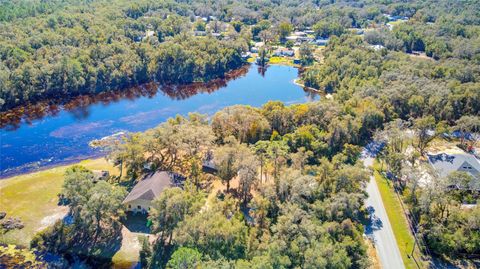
283	61
405	239
33	199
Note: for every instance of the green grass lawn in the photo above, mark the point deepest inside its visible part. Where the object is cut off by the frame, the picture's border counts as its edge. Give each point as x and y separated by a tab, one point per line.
282	61
399	223
397	22
33	199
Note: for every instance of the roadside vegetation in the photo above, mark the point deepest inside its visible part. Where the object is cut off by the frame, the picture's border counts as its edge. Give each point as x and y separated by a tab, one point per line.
310	181
291	189
400	227
441	209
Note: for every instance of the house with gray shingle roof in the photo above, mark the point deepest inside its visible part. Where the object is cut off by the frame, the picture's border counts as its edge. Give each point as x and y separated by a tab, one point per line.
444	163
149	188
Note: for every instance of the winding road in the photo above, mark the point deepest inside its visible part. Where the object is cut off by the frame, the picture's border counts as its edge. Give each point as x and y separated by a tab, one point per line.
380	229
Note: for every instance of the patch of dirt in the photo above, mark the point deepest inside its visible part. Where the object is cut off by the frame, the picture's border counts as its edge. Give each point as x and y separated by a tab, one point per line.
128	255
49	220
372	254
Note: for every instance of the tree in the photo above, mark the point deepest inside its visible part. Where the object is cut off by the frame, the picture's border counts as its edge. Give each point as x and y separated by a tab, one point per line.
76	188
95	231
266	36
324	29
170	208
245	123
460	181
166	214
128	152
200	25
247	174
259	27
300	158
196	138
306	54
237	25
284	29
213	234
289	44
184	258
424	131
145	252
279	116
277	151
228	162
468	125
103	206
262	57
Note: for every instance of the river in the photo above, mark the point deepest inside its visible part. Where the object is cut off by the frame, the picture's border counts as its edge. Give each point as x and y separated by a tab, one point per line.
47	135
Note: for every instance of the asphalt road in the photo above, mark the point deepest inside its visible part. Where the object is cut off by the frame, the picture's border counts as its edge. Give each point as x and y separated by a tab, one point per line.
380	229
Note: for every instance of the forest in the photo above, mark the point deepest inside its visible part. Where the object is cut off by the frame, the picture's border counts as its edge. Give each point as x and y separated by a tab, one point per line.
86	47
309	196
293	184
91	47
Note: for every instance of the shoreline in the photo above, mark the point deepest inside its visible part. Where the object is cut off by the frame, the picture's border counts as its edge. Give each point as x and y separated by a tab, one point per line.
42	168
46	164
320	92
63	100
12	118
295	81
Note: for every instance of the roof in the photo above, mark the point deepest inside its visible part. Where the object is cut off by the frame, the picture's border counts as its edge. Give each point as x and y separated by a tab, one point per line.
152	185
377	47
445	163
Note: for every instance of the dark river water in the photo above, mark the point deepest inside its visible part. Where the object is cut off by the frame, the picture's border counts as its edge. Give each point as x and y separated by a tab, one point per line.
51	134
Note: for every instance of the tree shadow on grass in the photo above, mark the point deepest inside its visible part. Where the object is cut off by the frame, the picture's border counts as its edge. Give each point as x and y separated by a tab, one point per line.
79	248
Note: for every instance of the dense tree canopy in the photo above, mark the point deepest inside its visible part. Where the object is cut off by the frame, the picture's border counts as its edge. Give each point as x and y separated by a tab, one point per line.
293	194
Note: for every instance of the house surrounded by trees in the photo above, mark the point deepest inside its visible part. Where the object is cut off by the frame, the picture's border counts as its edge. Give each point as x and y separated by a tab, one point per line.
444	163
149	188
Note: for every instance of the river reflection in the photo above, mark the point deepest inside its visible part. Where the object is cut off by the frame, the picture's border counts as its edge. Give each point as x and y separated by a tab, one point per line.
53	133
79	106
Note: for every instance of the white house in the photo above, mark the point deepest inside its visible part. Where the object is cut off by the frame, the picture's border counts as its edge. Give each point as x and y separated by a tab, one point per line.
376	47
148	33
150	187
284	52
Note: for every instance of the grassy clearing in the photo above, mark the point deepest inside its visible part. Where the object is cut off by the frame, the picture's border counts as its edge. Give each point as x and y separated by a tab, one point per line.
282	61
397	22
405	239
33	199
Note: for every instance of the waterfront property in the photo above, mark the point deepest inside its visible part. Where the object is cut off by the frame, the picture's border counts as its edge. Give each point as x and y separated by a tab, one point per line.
150	187
63	136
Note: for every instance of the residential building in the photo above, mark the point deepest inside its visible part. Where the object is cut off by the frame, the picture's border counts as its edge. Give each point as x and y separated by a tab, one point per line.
321	42
140	198
282	52
446	163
